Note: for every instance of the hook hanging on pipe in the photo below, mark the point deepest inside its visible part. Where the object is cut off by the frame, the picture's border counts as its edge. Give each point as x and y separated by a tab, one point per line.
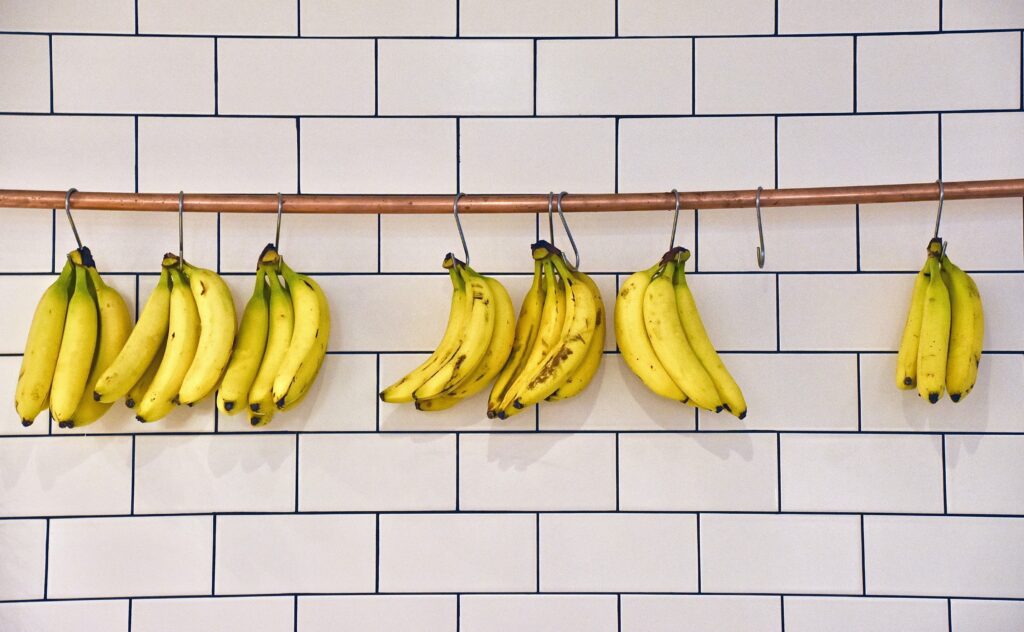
71	220
938	216
280	211
181	230
675	221
458	225
760	229
568	233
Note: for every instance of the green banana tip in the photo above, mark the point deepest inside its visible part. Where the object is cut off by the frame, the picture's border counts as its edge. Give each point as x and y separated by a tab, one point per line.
269	254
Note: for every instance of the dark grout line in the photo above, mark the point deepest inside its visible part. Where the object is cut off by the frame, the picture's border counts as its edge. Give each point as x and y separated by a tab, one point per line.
537	550
617	470
216	79
863	560
860	398
136	118
693	76
298	18
945	486
298	154
854	74
778	470
49	42
376	77
699	570
46	562
535	77
458	466
131	502
297	470
213	561
376	576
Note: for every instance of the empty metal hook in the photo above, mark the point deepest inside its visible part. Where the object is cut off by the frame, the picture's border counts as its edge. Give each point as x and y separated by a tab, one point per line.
71	220
458	225
181	230
568	233
675	221
551	217
280	210
760	228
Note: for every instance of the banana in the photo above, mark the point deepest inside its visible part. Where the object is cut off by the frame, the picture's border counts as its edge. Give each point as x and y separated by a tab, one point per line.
311	364
494	359
978	333
935	321
77	347
306	306
906	359
141	347
965	317
115	324
217	334
474	341
665	329
402	390
697	336
138	390
249	347
581	377
631	334
526	334
182	342
44	338
279	334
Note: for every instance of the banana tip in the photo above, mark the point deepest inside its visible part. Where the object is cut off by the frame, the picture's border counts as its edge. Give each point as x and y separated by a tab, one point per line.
280	403
719	409
255	421
66	424
491	414
955	397
254	407
26	422
742	415
95	396
130	403
933	397
229	406
140	419
908	381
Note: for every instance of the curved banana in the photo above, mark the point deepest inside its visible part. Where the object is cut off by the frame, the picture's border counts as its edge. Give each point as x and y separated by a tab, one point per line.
44	337
631	334
249	346
979	329
906	359
527	327
142	345
934	347
965	317
138	390
665	329
306	306
402	390
216	335
311	364
182	342
279	335
77	347
581	377
115	323
697	336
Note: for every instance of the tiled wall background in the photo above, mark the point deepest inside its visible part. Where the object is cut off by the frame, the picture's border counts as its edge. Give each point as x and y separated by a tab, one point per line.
839	504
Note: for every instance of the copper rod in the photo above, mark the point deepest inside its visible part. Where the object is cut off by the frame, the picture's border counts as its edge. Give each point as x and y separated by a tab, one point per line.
524	203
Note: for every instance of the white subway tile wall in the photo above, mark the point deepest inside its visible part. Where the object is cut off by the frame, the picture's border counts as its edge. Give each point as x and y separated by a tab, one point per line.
839	503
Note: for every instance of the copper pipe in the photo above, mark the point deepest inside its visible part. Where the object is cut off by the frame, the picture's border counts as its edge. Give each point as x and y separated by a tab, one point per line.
526	203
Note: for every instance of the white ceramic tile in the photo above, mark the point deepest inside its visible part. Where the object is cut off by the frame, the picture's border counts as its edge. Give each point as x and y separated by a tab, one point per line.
25	73
698	472
68	476
268	76
455	76
110	16
838	16
294	553
217	155
133	74
537	17
62	616
851	614
650	158
737	309
377	472
23	548
665	613
772	384
523	155
536	472
985	616
937	555
319	243
869	473
457	552
981	14
850	150
378	17
780	553
938	72
49	152
199	474
26	245
152	556
218	17
377	613
993	406
985	474
417	243
700	17
261	614
347	156
761	75
982	234
611	76
538	613
618	553
982	146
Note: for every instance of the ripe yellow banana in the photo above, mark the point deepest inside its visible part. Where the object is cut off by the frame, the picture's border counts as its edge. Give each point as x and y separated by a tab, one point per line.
44	337
934	346
311	364
77	347
217	334
906	359
966	328
182	341
138	390
631	334
115	324
665	330
306	307
249	347
527	327
697	336
141	347
581	377
279	335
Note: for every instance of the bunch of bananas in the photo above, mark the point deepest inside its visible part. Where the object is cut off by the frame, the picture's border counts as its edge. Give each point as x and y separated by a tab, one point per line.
179	346
281	343
559	338
78	328
941	344
663	339
473	349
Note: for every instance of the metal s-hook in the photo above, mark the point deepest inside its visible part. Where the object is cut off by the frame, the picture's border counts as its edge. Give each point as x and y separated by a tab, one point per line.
71	220
675	222
551	217
181	230
280	210
568	233
938	216
760	228
458	225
